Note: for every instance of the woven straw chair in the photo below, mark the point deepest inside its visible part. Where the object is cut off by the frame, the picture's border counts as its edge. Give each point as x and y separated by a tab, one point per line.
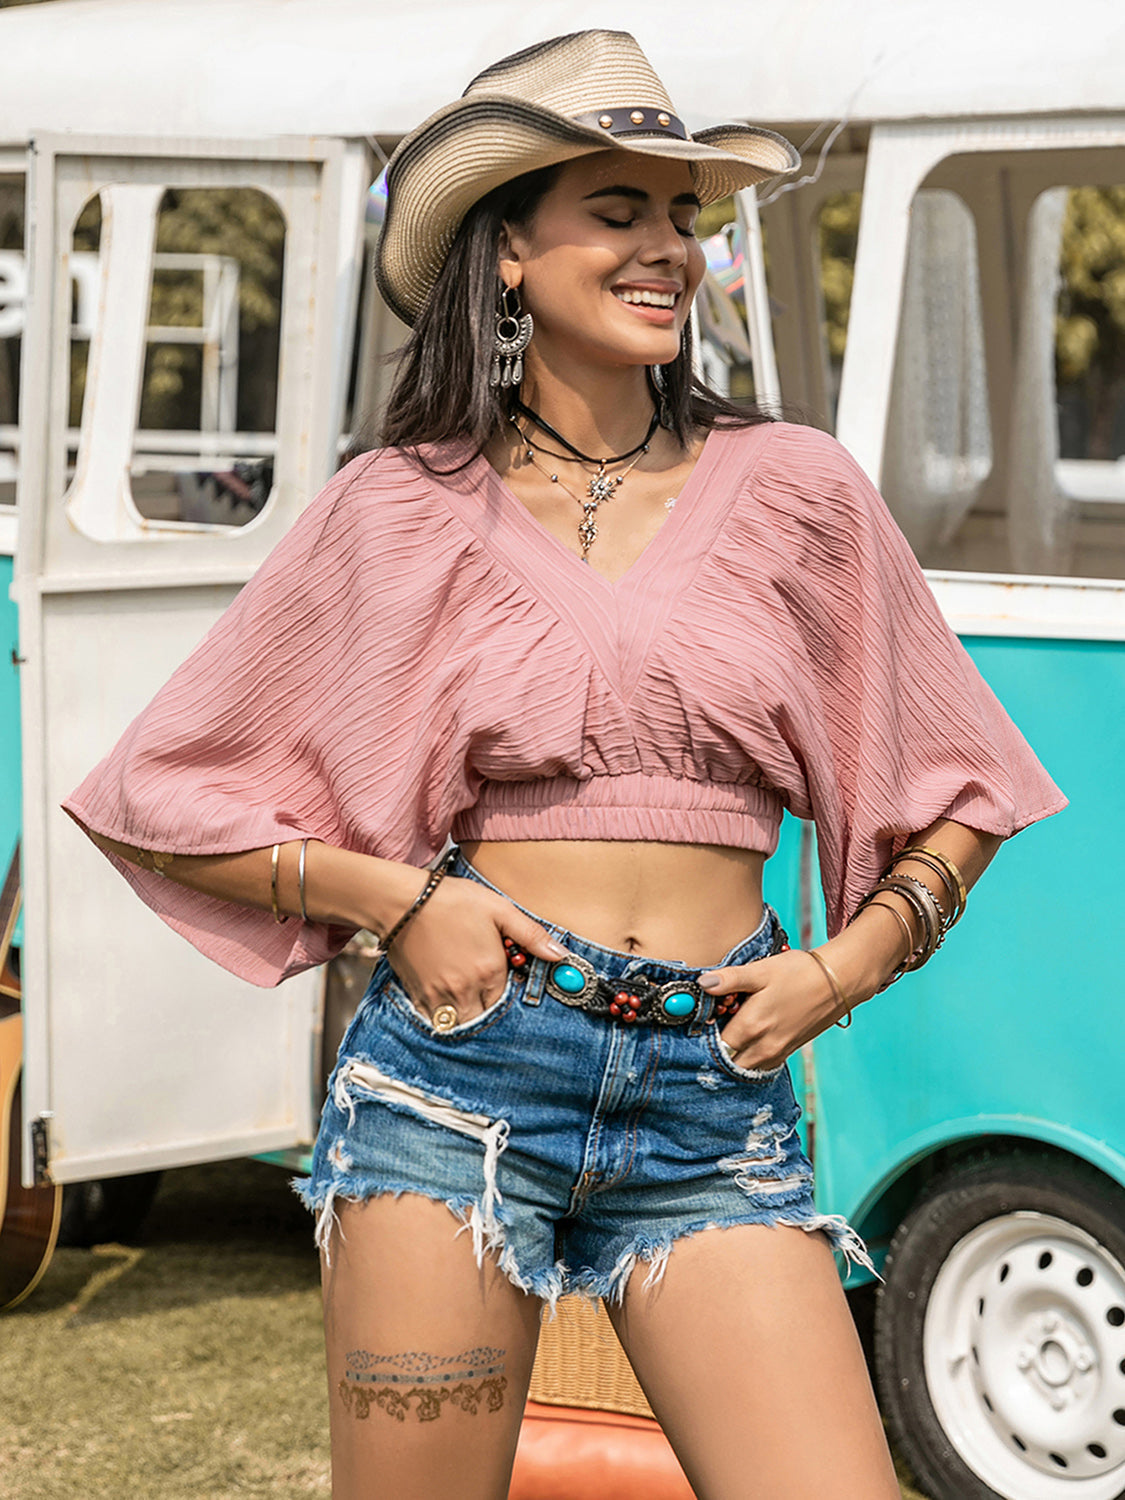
581	1363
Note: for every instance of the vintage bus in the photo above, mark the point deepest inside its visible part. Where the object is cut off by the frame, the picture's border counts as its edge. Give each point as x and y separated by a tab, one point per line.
941	288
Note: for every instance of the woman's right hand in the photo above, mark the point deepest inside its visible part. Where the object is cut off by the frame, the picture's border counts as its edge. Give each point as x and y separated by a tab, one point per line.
452	952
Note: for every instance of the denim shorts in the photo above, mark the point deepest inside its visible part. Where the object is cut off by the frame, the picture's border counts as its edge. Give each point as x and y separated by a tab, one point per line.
570	1146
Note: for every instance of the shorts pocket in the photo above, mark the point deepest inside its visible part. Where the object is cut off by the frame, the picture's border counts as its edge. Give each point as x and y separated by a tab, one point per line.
396	994
724	1060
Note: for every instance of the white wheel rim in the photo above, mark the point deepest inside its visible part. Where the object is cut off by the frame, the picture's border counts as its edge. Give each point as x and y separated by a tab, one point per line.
1024	1343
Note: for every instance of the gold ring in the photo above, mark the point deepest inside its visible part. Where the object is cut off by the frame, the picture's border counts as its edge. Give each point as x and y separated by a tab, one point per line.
445	1018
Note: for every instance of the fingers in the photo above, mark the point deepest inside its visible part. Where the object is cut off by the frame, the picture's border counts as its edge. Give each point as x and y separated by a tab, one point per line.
786	1005
753	1051
459	950
444	1011
736	977
528	935
750	1025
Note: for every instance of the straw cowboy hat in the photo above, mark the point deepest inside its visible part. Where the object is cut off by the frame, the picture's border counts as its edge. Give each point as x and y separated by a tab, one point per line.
590	91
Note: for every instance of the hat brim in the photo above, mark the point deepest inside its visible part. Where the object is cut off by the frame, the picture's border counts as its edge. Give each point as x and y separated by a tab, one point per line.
490	139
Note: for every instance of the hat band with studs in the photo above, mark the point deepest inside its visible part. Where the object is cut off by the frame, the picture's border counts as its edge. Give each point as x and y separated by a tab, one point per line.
646	121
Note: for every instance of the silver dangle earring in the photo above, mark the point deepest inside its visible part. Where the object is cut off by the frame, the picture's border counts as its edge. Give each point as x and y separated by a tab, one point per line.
513	334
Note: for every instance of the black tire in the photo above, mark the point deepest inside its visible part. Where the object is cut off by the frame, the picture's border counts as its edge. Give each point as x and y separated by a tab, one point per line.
1009	1271
107	1210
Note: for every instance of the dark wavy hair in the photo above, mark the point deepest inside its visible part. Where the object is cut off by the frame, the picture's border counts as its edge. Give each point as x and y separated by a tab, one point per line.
441	388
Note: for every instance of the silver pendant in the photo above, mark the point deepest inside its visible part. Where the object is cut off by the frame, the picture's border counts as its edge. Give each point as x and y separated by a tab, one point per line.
588	526
602	487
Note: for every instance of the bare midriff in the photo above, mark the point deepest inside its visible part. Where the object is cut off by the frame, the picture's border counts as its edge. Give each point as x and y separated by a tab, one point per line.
692	902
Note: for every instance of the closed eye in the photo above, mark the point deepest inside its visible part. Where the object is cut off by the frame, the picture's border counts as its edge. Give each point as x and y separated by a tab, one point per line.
686	230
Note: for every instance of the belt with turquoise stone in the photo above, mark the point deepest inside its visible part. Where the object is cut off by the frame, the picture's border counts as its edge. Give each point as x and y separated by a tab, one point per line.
637	999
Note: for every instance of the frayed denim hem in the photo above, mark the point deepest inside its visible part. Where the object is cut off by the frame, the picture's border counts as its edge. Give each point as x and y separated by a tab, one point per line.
488	1237
655	1252
487	1231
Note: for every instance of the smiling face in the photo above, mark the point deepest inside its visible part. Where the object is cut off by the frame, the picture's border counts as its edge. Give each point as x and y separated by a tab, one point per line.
609	264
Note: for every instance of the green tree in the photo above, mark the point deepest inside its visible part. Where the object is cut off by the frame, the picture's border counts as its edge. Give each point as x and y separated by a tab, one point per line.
1090	327
245	225
837	232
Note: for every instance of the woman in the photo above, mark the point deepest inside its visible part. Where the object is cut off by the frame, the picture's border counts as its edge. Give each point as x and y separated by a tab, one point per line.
601	627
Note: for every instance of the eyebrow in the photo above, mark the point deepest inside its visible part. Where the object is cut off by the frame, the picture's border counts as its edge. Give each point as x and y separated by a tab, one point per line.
638	195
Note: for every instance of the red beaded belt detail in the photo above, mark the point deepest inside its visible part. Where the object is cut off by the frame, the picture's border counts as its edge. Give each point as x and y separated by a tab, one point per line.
575	982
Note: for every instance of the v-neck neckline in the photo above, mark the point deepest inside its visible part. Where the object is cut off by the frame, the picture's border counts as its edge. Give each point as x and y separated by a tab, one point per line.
531	531
617	621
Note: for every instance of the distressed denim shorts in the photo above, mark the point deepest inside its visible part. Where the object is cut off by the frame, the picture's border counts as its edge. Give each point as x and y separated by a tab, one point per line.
570	1146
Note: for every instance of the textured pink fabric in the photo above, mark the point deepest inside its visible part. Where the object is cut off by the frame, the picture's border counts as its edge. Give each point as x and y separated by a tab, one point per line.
420	656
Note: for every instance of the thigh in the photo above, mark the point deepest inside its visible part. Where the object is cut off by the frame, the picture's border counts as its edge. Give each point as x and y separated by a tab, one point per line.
747	1353
429	1356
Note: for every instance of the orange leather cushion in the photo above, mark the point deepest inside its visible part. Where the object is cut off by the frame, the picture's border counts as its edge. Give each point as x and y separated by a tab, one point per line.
568	1454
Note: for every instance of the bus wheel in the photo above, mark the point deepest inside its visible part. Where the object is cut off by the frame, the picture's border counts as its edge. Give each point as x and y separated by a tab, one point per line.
1000	1332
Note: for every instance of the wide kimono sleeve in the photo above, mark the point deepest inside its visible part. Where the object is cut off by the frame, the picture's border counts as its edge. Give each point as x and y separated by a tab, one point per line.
295	717
893	726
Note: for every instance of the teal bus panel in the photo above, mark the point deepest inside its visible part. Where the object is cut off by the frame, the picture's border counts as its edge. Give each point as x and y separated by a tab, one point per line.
1015	1028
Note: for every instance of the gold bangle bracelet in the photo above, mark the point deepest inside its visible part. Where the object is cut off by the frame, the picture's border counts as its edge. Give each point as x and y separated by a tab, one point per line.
837	991
955	875
275	858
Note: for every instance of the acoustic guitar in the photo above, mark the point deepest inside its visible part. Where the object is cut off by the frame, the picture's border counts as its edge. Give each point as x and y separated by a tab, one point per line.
29	1217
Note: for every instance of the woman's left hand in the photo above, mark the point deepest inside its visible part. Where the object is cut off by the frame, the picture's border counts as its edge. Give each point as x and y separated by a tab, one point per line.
789	1001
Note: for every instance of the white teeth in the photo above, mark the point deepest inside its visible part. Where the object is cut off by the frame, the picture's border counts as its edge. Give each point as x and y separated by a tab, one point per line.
648	299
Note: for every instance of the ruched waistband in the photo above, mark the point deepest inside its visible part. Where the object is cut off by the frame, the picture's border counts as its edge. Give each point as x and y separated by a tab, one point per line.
658	809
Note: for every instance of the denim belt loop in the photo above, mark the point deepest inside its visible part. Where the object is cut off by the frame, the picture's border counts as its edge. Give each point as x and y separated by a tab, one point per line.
703	1017
535	978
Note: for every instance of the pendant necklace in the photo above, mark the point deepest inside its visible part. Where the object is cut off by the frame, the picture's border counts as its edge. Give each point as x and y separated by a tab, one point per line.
588	526
600	487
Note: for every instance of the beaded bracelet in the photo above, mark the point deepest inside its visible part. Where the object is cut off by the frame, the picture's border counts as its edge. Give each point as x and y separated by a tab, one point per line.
437	875
919	896
916	955
947	872
935	917
932	921
927	893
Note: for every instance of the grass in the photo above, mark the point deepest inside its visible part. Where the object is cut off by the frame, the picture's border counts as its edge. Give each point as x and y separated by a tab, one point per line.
191	1368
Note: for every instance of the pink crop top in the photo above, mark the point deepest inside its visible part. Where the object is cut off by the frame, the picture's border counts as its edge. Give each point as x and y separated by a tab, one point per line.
419	657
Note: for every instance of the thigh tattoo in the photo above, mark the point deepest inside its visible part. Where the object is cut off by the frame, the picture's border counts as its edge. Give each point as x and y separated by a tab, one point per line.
470	1380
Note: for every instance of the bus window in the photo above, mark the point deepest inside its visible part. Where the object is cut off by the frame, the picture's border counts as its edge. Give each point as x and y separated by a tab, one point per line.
836	231
1005	446
13	291
1089	355
205	441
939	442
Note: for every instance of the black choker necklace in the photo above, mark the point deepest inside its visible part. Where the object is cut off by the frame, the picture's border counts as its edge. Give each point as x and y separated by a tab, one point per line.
600	486
586	458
